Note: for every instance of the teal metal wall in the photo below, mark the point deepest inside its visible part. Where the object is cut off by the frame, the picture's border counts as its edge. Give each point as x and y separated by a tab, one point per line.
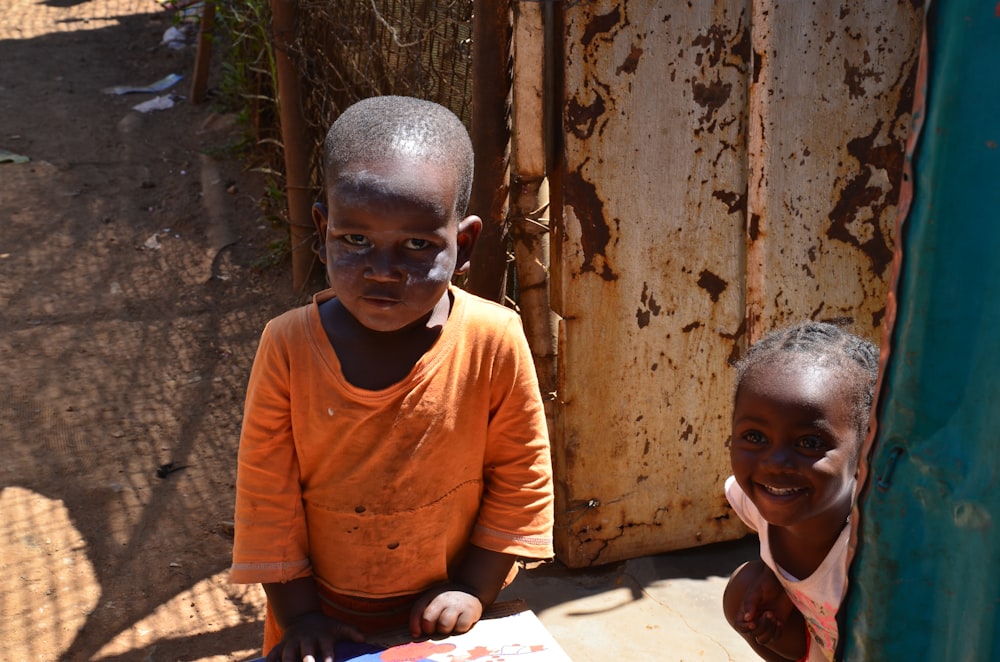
925	580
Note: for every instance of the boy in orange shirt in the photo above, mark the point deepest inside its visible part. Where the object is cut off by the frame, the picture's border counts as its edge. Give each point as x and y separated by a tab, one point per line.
394	461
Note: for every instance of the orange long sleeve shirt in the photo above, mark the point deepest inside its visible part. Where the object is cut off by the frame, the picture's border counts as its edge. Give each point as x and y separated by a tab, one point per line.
376	493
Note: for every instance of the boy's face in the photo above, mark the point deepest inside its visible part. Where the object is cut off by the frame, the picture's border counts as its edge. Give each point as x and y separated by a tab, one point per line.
392	240
794	444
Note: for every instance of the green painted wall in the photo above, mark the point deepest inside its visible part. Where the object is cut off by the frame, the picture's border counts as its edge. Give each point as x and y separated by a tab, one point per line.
925	582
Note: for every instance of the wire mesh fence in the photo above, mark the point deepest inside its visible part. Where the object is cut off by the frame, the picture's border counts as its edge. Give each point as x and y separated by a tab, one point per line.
347	50
343	51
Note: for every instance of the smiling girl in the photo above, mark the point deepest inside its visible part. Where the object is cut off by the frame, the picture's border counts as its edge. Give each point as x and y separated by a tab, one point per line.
800	414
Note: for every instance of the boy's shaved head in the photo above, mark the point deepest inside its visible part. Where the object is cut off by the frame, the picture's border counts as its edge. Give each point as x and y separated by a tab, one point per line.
382	127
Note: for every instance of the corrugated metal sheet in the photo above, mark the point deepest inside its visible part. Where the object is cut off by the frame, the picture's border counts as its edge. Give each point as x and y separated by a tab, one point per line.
676	235
925	584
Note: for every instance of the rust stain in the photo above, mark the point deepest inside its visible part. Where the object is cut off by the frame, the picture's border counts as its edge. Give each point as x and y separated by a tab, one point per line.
600	25
742	49
735	353
595	235
712	284
855	77
650	305
815	313
877	317
856	195
582	120
716	43
631	62
711	97
735	202
713	41
688	431
688	328
753	227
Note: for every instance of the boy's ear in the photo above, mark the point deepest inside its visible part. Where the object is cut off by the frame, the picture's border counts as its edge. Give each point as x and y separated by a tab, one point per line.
319	220
468	232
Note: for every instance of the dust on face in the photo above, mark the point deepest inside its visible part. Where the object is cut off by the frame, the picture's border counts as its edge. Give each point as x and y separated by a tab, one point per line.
392	239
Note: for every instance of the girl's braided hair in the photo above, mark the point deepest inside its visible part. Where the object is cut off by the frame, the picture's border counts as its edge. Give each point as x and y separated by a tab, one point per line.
826	344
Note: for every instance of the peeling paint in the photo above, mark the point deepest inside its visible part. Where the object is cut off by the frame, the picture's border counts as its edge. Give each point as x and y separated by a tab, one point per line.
686	435
855	77
631	62
595	235
713	42
741	49
753	227
735	202
600	25
712	284
649	307
756	65
736	352
711	97
858	194
581	120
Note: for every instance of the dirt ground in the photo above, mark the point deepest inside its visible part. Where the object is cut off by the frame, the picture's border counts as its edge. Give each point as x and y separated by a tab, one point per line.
135	278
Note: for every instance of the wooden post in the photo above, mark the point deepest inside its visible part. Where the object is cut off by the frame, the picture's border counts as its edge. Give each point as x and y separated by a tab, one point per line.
490	86
295	138
529	194
203	57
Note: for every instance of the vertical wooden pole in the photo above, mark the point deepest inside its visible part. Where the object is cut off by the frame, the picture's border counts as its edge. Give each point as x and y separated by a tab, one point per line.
295	138
490	87
529	205
203	57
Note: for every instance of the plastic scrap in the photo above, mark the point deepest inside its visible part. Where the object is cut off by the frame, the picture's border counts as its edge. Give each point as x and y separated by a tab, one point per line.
174	38
164	83
156	103
11	157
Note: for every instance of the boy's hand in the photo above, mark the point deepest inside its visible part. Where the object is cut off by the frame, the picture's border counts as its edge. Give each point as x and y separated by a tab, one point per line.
447	609
312	636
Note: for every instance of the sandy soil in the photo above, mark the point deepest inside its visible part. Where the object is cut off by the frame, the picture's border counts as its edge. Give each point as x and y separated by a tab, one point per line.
132	294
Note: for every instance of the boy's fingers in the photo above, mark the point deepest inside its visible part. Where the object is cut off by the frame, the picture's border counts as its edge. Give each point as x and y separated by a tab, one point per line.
417	617
464	623
443	623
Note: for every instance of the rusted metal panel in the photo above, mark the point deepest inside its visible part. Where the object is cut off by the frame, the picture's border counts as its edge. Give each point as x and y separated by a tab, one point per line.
647	274
829	109
729	167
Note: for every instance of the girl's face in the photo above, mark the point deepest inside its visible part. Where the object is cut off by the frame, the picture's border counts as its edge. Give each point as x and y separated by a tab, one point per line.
795	443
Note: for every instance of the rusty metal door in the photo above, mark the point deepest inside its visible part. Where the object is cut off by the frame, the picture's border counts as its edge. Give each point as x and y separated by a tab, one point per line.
729	166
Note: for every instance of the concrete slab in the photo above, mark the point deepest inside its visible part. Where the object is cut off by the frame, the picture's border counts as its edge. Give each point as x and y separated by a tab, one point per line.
666	607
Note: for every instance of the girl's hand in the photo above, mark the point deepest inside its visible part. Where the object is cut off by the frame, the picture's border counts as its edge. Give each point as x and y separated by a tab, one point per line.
769	617
765	609
312	636
446	609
